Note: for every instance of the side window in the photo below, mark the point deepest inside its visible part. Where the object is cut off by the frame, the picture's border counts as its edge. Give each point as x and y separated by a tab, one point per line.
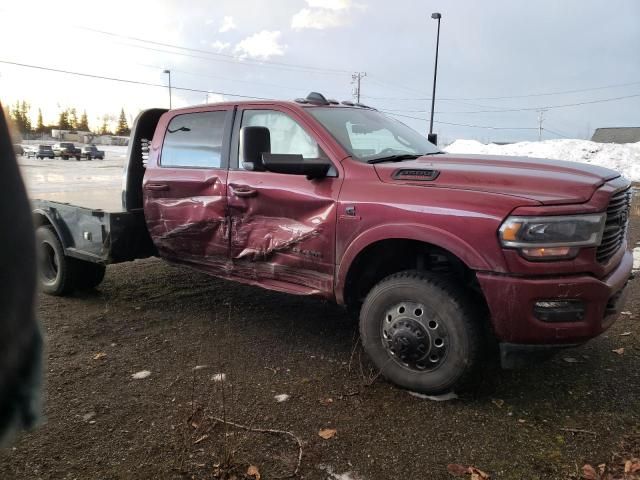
194	140
287	136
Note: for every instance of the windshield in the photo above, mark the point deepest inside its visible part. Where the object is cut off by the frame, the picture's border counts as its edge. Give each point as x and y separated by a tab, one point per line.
367	134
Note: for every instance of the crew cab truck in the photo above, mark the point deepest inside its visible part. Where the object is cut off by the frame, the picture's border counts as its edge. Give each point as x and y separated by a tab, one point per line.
441	255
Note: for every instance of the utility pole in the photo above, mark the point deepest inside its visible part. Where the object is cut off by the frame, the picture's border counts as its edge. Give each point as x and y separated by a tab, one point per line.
434	138
168	72
540	120
355	80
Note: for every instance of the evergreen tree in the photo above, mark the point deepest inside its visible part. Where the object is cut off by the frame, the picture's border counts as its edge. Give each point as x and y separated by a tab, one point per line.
83	124
63	120
26	120
73	119
104	129
123	127
40	128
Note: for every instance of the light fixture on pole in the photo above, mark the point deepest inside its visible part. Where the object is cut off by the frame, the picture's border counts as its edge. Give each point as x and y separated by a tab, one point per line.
168	72
433	138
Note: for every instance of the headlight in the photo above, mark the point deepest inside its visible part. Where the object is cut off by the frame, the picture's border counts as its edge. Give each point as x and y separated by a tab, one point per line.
547	238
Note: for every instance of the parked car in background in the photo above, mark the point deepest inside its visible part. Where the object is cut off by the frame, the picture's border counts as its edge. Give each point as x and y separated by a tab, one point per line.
18	149
66	150
39	151
91	152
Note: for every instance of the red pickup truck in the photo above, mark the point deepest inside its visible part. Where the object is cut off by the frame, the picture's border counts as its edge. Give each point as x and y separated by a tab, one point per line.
444	256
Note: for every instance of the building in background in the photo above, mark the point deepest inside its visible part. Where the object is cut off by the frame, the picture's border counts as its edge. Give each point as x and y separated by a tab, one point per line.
616	135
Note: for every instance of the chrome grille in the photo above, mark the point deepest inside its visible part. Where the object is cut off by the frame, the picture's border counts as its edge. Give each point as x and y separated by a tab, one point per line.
615	227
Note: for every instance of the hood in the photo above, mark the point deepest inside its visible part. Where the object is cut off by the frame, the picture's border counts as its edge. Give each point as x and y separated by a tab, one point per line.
550	182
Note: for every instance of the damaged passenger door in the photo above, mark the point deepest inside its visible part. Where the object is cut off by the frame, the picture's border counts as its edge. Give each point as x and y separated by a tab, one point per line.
185	188
282	225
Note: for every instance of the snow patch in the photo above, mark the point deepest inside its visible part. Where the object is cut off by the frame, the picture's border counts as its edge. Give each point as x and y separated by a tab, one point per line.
283	397
332	475
624	158
436	398
141	374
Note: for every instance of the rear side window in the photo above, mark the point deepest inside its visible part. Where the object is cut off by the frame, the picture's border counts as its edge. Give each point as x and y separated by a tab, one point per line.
194	140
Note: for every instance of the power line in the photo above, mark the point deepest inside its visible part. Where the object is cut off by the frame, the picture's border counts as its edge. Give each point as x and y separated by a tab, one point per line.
134	82
561	92
460	124
528	109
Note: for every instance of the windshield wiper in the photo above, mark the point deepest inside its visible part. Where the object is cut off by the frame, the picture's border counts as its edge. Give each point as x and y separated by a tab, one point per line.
400	157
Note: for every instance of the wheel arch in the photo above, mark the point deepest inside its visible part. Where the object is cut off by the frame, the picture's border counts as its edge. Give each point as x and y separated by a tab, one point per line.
43	217
401	237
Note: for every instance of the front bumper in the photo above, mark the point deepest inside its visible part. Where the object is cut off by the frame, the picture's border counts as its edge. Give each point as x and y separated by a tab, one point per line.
511	300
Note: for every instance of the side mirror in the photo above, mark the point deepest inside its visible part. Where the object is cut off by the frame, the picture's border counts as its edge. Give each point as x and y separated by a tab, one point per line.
295	165
254	141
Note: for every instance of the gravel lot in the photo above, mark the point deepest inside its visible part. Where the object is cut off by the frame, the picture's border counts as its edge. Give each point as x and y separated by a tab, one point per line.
250	345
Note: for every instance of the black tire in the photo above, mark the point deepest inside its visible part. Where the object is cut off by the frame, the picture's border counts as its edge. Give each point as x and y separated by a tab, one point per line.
55	272
421	332
88	275
78	159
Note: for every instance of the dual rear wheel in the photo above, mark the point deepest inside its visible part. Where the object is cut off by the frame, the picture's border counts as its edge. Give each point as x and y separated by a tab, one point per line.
60	274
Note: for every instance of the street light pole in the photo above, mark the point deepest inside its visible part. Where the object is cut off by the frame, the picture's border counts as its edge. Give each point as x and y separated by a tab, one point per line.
433	138
168	72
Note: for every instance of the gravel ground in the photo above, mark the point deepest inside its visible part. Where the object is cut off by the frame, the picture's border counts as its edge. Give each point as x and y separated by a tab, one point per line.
251	345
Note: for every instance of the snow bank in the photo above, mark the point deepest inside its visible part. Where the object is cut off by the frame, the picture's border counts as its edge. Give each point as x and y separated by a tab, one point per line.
625	158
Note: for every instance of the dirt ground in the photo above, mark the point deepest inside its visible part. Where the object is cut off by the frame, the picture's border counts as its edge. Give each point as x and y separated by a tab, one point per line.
543	422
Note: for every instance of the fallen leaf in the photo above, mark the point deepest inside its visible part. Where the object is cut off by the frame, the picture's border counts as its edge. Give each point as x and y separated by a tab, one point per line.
326	401
625	334
200	367
200	439
327	433
634	467
589	473
498	402
253	471
458	470
619	351
141	374
99	355
626	313
477	474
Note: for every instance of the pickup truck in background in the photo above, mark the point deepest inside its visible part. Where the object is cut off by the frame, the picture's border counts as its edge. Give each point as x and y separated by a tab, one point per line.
66	150
91	152
442	256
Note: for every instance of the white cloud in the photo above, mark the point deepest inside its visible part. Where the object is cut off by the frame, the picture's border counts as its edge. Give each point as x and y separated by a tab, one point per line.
219	46
329	4
227	24
323	14
318	19
261	45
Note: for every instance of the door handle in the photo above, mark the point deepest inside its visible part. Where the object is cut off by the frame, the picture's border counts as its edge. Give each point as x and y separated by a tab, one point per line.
243	192
157	187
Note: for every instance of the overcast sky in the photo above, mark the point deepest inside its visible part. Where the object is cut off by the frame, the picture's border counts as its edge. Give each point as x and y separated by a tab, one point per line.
286	48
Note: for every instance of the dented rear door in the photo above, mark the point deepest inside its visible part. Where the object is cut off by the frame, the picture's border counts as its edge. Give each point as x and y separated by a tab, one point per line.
185	187
283	226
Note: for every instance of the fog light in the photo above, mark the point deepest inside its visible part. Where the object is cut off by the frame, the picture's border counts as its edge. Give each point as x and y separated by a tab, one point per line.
559	310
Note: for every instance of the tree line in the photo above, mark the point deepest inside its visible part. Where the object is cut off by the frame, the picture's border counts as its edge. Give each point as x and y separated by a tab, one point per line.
68	119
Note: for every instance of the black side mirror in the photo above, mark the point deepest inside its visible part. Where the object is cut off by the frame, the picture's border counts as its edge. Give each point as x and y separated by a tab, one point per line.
296	165
254	141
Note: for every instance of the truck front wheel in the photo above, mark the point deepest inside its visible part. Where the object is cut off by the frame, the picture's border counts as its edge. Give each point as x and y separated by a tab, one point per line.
421	332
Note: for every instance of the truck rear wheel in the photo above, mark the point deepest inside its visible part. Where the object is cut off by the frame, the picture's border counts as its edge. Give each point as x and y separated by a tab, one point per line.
88	275
421	332
54	272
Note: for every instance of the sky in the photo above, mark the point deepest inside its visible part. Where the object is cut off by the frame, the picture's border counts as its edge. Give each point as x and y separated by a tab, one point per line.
543	55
